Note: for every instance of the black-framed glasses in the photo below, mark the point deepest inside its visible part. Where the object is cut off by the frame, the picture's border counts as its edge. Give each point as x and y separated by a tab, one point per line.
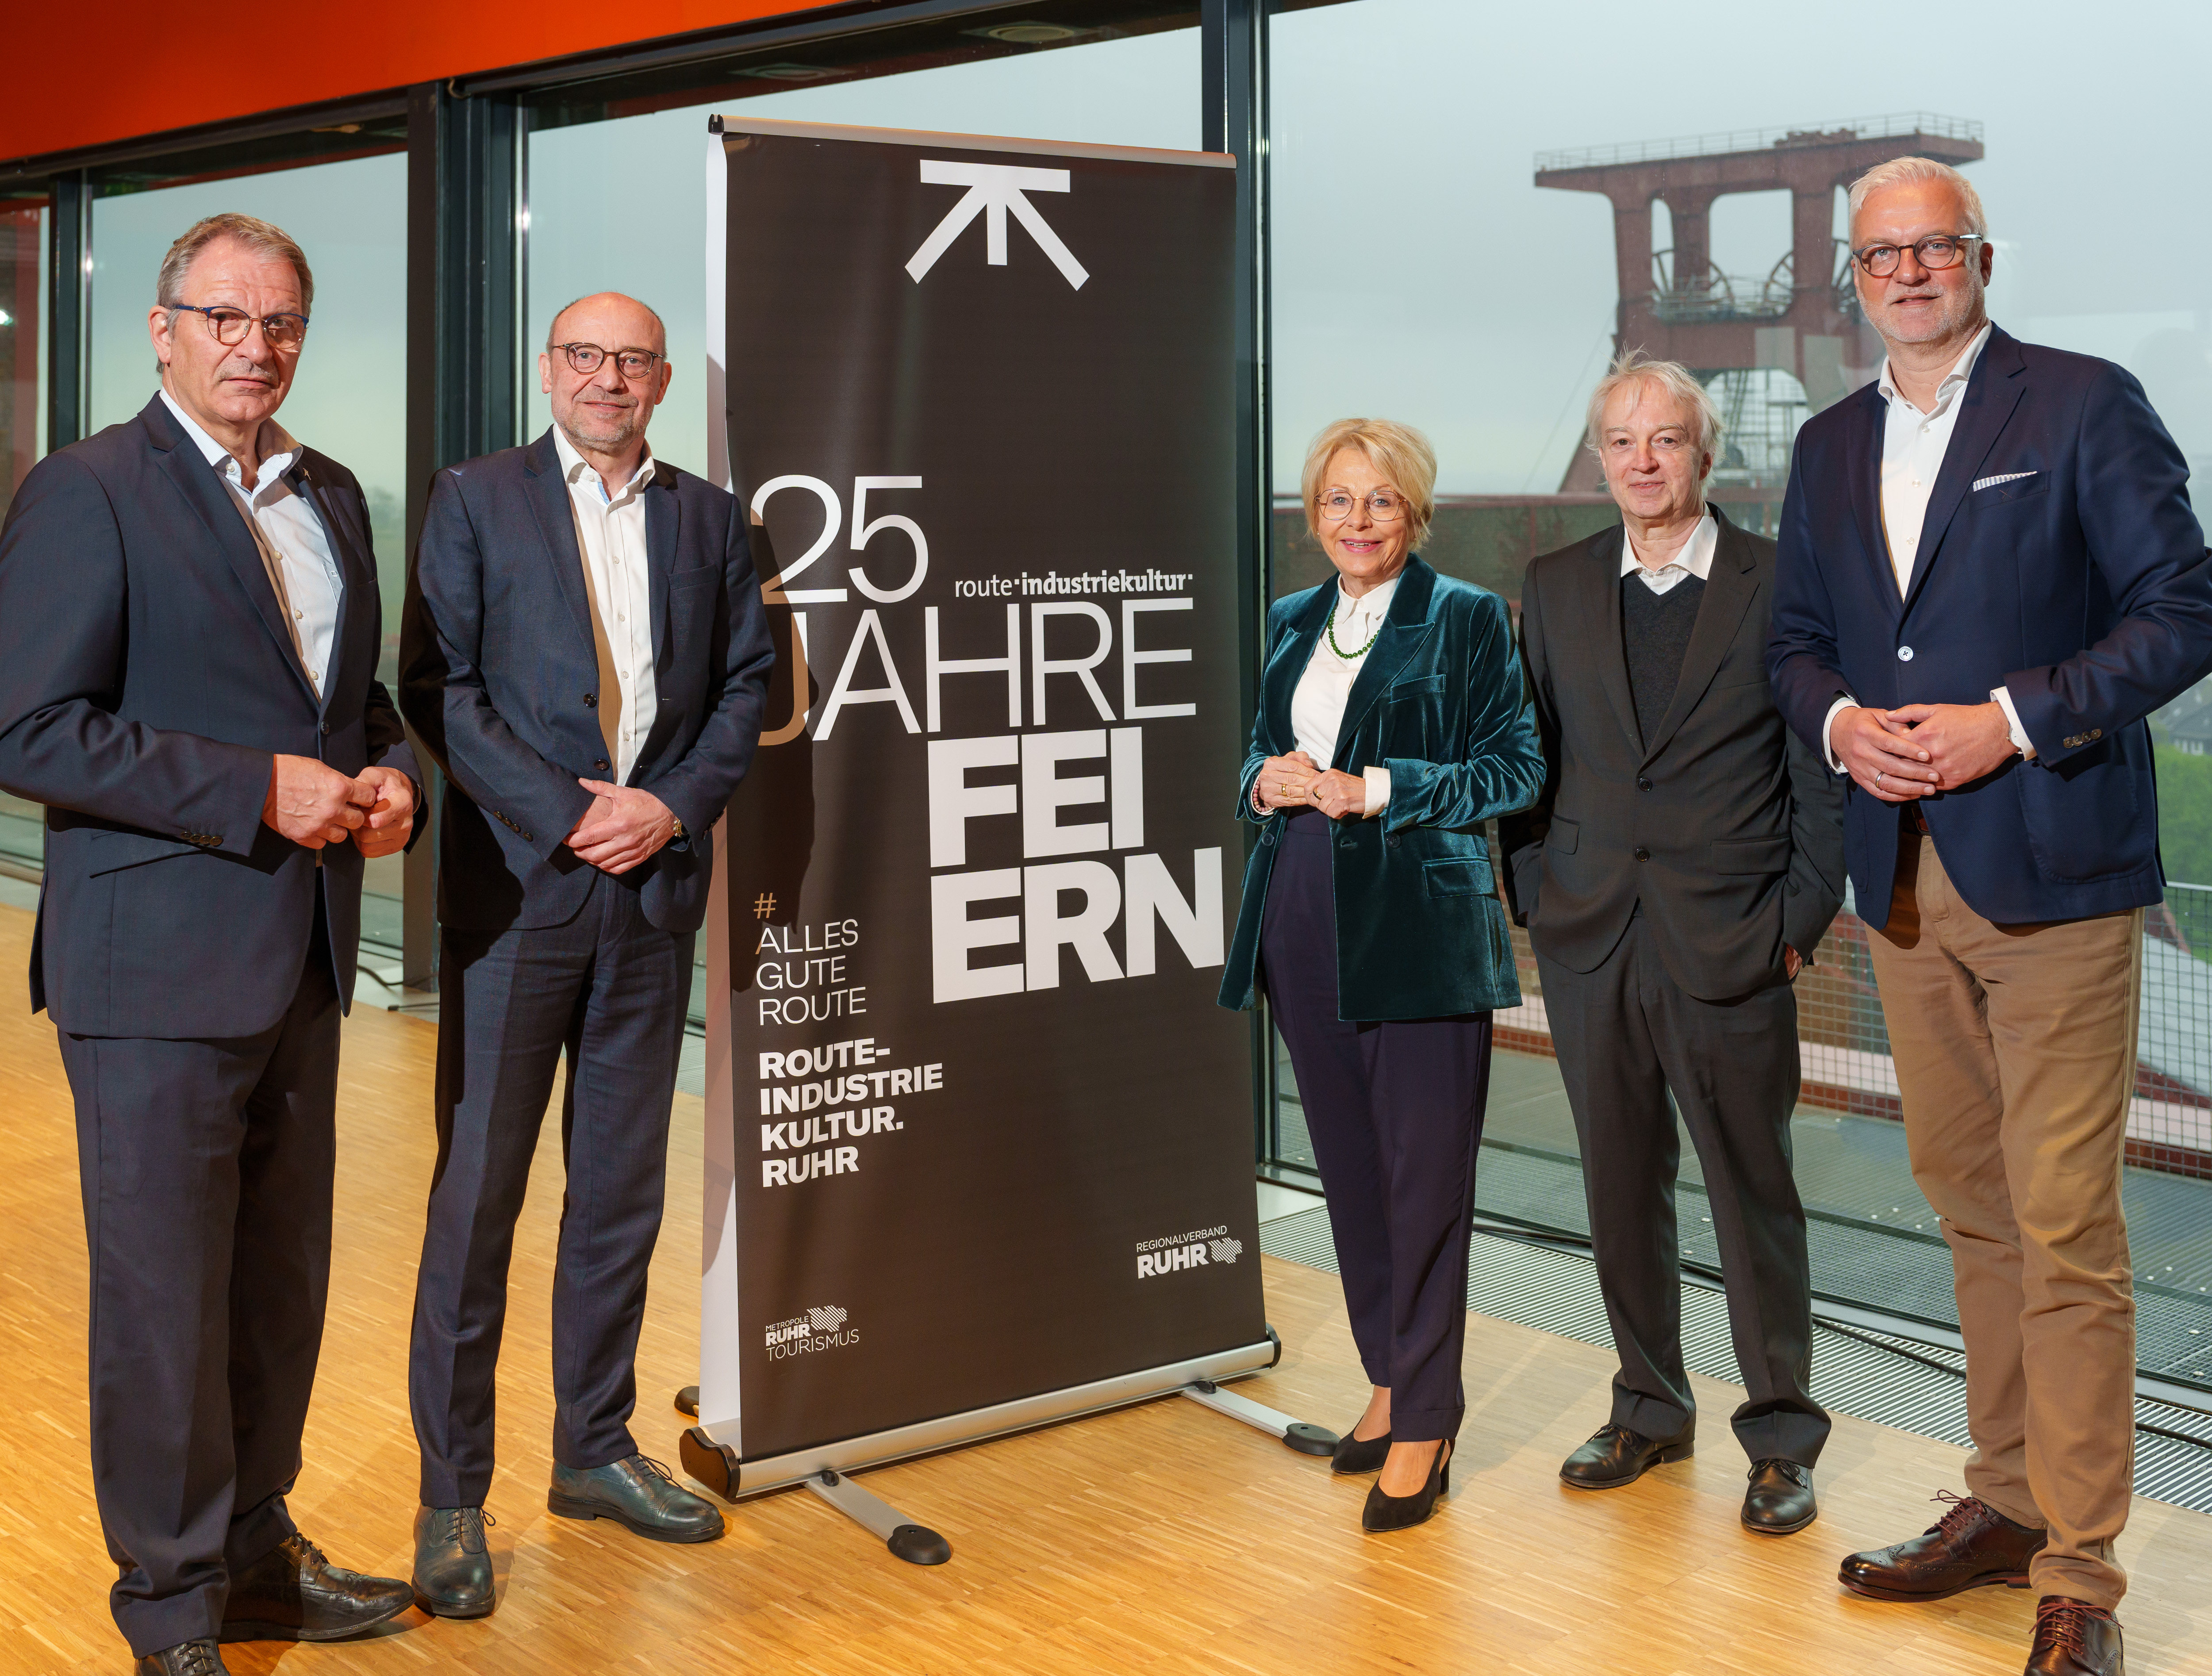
283	332
1936	251
1384	505
588	358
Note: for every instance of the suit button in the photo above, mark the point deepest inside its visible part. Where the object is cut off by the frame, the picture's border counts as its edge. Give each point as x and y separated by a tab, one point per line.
603	765
591	701
326	730
1642	855
2096	732
1642	784
1391	839
1904	654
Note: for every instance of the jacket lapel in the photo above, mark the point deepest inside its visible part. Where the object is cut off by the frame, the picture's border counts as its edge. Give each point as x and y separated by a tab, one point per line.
663	522
1862	442
1405	626
209	500
1601	610
1288	664
1992	392
1729	587
556	523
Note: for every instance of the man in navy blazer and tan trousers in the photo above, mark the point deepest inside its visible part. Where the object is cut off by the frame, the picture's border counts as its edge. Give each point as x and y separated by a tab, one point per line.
189	628
586	653
1989	574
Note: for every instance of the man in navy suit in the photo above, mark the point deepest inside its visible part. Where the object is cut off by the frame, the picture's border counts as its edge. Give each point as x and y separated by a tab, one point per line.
189	628
1989	574
586	653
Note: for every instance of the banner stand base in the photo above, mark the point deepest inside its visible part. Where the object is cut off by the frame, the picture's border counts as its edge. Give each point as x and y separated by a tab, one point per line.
917	1545
1297	1434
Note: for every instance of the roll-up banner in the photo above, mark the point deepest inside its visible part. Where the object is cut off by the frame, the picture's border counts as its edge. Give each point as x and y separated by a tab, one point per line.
979	1142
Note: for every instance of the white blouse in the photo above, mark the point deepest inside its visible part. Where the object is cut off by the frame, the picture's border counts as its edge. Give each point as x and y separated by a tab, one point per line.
1318	705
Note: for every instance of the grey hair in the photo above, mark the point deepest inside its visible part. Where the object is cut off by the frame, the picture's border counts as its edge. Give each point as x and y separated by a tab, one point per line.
1912	171
260	237
661	325
1634	367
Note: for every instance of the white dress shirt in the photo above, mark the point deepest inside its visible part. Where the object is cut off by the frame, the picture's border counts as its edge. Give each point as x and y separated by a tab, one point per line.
611	533
1913	444
295	549
1693	558
1318	705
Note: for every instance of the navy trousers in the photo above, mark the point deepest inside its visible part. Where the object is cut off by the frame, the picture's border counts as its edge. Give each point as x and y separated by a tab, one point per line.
1396	1112
206	1168
608	989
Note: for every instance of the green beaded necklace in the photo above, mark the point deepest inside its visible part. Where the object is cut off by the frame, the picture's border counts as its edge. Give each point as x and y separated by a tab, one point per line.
1331	632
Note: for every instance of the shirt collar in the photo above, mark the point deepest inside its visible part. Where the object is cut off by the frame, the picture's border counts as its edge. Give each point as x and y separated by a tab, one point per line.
1954	381
279	451
575	469
1694	555
1371	606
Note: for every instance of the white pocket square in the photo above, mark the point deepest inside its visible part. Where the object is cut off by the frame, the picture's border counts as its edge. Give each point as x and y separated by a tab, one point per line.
2007	477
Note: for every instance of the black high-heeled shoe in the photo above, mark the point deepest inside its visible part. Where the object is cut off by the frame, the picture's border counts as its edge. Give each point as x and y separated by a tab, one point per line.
1398	1513
1356	1456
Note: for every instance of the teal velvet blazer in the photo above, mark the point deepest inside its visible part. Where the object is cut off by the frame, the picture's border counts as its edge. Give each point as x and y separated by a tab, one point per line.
1442	703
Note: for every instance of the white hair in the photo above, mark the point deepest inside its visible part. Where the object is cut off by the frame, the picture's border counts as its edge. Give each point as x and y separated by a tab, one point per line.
1634	367
1914	171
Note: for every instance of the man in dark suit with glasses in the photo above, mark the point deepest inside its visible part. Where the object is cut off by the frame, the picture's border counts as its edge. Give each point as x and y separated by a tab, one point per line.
586	653
189	632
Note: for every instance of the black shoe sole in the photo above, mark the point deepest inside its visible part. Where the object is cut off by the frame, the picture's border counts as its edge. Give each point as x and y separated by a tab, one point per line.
1781	1530
439	1609
568	1507
1665	1457
1874	1592
234	1630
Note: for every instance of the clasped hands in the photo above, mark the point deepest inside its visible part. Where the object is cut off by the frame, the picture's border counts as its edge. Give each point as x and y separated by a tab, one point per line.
1906	753
624	828
1296	781
314	804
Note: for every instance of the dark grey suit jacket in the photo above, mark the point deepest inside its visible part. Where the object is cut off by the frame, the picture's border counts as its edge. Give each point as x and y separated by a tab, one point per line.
498	674
146	680
1724	825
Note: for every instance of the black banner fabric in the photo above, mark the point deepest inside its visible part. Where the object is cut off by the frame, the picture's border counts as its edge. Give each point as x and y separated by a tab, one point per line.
992	1136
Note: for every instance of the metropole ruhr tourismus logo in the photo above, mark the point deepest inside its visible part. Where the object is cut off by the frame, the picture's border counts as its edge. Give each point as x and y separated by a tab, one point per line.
829	1327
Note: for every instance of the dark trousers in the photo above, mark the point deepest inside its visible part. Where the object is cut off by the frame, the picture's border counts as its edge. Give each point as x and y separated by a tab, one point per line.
1396	1111
1626	1034
609	989
206	1168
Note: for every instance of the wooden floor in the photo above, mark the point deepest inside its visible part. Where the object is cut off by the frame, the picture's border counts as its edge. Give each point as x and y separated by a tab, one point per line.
1159	1539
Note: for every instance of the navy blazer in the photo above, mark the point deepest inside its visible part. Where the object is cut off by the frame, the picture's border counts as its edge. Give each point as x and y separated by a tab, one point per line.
2060	560
1440	701
146	680
499	676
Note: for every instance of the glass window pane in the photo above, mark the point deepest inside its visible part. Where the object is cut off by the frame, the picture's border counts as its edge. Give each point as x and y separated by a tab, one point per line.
22	430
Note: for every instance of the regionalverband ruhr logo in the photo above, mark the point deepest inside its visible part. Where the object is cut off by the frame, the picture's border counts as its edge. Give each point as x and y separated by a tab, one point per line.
995	191
1178	1254
829	1327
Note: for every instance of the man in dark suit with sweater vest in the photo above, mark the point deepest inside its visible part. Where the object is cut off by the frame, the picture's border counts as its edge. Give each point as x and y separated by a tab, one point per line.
1685	856
189	628
586	653
1989	575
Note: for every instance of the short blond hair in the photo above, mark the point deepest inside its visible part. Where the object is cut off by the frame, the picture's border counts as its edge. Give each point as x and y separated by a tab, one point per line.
1399	452
1910	171
1634	367
262	238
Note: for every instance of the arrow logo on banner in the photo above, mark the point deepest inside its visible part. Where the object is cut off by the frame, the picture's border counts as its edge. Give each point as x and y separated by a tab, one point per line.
997	189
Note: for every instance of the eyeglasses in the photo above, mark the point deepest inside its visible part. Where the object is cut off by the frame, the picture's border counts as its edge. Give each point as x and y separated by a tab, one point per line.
1384	505
284	333
1936	251
588	358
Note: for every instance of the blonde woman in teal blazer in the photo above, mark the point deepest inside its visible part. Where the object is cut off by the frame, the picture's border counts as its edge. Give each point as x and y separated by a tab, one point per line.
1393	722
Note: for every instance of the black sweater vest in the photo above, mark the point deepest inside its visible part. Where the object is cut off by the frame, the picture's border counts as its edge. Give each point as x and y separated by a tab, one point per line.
1655	630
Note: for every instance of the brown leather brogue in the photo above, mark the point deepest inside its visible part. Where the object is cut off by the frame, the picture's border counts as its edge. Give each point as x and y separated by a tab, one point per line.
1972	1547
2074	1638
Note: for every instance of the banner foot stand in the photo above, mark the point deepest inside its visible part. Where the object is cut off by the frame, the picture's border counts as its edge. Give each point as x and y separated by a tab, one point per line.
1297	1434
917	1545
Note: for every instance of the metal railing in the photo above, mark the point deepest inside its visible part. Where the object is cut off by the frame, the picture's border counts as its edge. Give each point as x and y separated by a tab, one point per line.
1847	131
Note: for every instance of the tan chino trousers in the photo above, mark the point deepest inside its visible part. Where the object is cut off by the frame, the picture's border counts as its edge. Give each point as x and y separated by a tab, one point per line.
2016	1051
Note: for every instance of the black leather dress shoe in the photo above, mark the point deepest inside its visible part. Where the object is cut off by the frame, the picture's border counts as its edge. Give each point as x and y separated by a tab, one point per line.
186	1658
1970	1546
1617	1455
1399	1513
1780	1500
638	1493
2074	1638
1358	1455
452	1565
292	1593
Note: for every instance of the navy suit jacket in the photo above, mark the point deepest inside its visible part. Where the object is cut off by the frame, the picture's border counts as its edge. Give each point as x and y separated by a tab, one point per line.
147	681
499	676
2060	560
